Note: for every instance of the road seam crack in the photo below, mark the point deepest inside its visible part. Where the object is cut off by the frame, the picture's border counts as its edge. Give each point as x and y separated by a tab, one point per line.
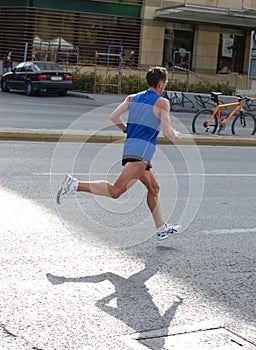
11	334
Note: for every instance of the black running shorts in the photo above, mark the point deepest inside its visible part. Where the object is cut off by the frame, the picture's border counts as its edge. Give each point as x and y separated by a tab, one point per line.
126	160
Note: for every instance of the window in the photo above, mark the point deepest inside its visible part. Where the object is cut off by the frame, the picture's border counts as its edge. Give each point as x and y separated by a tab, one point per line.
19	68
231	51
178	37
27	67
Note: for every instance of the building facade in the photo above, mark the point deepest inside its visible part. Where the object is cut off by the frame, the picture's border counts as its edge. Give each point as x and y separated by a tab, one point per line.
216	33
43	28
206	36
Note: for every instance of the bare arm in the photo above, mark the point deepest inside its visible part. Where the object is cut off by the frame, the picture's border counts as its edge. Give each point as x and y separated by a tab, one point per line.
115	116
162	111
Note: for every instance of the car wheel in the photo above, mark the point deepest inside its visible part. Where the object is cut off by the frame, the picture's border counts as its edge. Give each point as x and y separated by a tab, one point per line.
4	86
62	93
29	89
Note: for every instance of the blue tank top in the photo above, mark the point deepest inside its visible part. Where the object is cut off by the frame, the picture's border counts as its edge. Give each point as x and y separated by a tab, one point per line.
142	127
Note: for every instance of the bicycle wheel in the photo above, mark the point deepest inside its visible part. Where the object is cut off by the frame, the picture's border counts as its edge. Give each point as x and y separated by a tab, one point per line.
250	105
204	122
244	124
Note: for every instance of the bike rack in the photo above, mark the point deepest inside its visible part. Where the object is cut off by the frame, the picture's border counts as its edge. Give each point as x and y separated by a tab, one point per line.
181	64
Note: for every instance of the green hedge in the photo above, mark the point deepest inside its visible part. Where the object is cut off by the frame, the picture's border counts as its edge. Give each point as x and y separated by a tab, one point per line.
83	82
133	83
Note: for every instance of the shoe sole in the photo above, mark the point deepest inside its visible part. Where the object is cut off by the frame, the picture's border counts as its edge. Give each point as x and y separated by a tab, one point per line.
60	190
58	195
163	238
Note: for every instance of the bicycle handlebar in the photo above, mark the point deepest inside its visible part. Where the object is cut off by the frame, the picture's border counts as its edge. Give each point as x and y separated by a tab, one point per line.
242	98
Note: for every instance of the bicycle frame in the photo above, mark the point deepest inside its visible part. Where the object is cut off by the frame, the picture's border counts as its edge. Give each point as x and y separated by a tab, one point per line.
217	112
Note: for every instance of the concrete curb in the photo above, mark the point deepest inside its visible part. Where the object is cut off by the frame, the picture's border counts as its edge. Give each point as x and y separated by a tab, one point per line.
80	94
188	139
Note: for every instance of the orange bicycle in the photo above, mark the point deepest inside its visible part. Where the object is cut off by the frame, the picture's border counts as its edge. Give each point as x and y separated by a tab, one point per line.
208	121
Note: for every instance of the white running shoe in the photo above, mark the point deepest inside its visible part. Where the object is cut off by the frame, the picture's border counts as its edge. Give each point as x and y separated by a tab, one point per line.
167	229
68	187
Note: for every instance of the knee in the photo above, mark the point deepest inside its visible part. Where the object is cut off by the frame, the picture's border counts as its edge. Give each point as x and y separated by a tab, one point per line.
115	193
155	189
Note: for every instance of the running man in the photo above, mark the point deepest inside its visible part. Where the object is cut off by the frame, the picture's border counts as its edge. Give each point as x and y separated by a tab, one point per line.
148	112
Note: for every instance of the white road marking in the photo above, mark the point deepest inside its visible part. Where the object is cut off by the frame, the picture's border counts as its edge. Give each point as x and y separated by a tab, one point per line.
229	231
162	174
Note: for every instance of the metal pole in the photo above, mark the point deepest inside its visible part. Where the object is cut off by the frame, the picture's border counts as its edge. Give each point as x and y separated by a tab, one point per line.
25	52
249	64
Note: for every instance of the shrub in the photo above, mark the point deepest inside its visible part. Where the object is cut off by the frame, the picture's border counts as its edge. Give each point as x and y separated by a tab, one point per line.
176	86
133	83
83	81
207	87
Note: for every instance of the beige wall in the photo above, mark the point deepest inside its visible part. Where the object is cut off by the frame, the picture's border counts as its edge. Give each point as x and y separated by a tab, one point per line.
152	40
250	4
152	35
237	4
205	52
202	3
234	4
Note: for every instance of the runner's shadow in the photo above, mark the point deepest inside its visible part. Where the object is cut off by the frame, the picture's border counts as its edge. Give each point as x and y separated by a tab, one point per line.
133	303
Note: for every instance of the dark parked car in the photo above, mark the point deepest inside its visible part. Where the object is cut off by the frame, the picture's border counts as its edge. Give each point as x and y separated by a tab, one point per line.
36	76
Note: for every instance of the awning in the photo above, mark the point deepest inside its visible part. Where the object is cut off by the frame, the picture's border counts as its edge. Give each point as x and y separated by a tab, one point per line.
212	15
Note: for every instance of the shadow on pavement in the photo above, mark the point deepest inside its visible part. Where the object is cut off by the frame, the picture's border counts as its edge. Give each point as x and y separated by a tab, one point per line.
134	303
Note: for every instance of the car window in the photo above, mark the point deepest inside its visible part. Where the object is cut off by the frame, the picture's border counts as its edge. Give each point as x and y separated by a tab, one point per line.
36	68
19	68
20	65
28	67
44	66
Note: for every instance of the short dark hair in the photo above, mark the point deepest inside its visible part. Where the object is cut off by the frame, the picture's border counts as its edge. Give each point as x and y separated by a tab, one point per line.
155	75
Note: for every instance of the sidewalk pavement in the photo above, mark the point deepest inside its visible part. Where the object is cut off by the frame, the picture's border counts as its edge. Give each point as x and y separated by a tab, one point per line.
94	136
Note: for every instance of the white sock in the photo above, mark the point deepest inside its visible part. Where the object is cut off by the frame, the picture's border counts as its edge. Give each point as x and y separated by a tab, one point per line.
161	228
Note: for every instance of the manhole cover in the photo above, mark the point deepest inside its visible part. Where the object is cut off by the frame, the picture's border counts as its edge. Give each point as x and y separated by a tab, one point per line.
208	339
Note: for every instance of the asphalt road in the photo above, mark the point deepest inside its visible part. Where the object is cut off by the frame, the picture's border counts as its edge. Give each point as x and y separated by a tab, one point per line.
41	112
62	113
89	274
